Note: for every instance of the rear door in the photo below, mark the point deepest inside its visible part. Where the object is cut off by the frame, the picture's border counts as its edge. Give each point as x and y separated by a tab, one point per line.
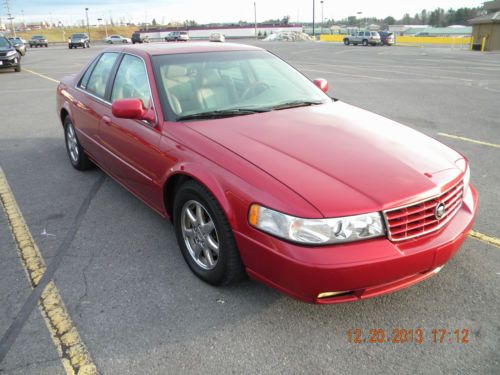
133	154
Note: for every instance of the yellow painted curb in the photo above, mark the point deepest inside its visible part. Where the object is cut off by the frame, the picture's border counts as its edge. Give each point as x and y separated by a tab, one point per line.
72	351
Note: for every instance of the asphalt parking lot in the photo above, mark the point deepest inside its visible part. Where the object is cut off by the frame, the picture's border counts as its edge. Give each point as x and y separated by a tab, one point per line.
139	310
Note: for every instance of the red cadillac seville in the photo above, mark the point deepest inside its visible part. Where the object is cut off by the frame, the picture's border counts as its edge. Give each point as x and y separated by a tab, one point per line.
262	173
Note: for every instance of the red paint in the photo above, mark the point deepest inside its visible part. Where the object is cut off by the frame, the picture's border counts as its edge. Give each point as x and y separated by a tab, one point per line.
327	160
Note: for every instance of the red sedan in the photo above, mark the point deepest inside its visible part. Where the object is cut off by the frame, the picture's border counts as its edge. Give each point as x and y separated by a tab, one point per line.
262	173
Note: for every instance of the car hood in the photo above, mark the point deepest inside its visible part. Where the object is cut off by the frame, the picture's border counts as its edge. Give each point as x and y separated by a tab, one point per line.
6	49
340	158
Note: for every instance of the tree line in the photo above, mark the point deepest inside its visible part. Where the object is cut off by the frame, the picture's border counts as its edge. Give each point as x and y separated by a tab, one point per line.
436	18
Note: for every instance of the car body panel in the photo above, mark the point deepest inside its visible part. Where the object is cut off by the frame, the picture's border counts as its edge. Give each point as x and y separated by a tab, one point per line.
309	162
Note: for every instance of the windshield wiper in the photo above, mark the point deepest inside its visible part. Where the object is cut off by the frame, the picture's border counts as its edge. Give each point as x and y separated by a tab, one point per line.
295	103
222	113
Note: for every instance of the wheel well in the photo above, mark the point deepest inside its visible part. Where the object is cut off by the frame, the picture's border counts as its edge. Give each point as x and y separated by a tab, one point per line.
64	114
169	189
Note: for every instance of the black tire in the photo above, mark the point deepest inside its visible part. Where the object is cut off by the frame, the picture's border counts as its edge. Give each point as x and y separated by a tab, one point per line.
17	69
365	42
228	268
81	162
346	42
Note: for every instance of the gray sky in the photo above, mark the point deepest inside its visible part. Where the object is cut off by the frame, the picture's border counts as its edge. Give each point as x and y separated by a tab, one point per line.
217	10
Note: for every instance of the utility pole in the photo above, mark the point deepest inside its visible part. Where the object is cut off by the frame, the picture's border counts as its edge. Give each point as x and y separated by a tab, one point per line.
88	26
255	17
9	16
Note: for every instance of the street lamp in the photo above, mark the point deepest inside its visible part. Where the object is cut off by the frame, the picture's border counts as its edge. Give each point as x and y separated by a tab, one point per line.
105	26
255	17
88	26
314	34
360	13
322	19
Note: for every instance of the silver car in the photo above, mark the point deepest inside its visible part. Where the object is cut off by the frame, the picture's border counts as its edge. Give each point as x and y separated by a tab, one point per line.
363	37
117	39
175	36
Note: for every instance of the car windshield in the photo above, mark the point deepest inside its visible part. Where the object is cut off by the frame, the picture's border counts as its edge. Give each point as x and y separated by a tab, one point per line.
4	42
233	81
78	36
38	37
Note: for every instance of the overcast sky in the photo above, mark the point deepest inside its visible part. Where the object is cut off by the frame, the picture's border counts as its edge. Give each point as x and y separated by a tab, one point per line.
70	11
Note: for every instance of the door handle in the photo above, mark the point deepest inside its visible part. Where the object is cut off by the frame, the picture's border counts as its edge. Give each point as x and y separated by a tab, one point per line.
106	120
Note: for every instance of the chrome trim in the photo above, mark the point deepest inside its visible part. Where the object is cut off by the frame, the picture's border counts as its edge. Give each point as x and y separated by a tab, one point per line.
440	224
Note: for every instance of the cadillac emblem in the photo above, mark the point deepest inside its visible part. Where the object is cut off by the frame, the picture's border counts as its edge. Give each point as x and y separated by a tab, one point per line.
439	211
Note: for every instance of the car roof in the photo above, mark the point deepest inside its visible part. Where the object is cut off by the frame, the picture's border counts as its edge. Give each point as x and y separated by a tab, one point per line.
154	49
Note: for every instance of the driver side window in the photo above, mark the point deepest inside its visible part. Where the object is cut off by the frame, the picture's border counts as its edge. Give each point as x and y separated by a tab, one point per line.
132	81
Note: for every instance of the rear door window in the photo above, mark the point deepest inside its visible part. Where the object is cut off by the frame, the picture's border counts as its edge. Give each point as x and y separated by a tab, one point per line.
99	78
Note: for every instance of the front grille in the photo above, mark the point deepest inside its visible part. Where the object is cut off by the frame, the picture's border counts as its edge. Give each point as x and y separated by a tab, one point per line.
3	54
420	218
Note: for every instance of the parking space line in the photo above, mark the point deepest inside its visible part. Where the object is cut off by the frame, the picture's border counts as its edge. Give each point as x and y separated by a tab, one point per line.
485	238
469	140
72	351
41	75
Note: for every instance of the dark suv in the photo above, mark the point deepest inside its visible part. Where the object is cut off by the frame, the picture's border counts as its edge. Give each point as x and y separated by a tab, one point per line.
138	38
38	41
9	57
79	40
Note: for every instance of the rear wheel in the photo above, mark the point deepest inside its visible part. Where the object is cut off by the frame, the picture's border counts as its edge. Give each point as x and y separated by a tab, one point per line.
205	236
79	160
365	42
346	41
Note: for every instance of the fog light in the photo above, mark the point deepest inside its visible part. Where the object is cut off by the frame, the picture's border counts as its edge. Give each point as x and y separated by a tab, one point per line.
332	294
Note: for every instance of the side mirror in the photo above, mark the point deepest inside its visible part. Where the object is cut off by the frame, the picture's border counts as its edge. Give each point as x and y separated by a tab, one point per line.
131	109
322	84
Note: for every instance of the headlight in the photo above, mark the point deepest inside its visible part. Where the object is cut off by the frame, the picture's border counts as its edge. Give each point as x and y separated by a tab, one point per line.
11	53
316	231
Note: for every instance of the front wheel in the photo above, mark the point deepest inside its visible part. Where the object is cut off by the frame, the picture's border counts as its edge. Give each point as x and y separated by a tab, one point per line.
346	41
17	68
79	160
365	43
205	236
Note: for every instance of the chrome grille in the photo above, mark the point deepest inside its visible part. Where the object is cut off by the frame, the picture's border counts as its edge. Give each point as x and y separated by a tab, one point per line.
420	218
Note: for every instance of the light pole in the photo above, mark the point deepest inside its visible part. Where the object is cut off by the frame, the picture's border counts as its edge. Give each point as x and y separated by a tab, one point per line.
322	19
314	34
255	17
88	26
360	13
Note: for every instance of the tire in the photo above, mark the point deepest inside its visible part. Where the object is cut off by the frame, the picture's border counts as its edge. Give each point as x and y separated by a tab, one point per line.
77	156
346	42
225	266
17	69
365	42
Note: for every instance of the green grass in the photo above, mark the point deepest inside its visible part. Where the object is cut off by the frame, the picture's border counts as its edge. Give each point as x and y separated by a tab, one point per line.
56	34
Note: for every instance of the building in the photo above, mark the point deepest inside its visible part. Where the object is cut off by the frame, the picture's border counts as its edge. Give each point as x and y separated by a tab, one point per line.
401	29
488	27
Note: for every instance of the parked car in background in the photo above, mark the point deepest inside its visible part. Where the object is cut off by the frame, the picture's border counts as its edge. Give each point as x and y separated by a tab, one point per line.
117	39
217	37
262	172
137	37
175	36
38	41
9	56
363	37
19	45
386	38
79	40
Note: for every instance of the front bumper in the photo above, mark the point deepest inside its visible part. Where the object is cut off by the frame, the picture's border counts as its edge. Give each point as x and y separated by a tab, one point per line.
356	270
9	62
77	44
